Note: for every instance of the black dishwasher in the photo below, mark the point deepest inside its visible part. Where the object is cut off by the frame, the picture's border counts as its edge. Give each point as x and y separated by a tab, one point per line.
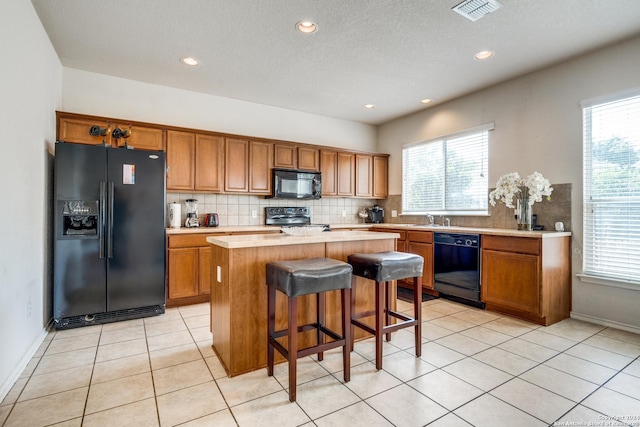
456	267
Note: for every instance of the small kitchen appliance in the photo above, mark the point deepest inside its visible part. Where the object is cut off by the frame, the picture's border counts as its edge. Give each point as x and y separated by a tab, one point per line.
211	220
376	215
192	213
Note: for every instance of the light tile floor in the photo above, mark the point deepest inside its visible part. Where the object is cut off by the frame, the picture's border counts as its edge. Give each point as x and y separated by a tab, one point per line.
477	368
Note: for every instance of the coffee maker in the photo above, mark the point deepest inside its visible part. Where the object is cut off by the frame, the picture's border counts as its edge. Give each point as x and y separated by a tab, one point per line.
192	213
376	215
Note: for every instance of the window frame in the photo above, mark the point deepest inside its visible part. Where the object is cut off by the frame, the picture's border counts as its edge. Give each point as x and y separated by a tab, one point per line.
591	275
443	139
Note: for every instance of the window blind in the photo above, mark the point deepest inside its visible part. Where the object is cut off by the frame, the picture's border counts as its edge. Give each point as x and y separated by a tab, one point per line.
611	174
447	175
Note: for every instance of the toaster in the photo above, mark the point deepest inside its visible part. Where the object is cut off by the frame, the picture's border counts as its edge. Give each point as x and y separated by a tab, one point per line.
211	220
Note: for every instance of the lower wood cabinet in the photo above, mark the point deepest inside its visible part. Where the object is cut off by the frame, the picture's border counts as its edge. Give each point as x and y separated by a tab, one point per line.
421	243
526	277
188	269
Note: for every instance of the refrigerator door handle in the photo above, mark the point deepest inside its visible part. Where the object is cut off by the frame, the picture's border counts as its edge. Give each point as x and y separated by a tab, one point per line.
110	223
103	214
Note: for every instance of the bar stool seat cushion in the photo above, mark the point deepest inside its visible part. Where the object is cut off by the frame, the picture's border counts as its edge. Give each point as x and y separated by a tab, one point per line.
308	276
385	266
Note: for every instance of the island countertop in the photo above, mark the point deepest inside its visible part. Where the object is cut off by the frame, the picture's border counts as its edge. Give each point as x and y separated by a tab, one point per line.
281	239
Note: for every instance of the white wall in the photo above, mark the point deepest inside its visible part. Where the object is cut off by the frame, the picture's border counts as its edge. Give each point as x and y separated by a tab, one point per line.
538	127
30	88
101	95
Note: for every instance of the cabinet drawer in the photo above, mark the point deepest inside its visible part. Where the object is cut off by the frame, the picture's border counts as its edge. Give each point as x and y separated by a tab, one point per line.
402	233
188	241
420	236
522	245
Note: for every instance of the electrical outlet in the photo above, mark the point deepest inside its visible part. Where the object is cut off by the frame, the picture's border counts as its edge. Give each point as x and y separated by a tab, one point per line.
344	213
394	213
254	214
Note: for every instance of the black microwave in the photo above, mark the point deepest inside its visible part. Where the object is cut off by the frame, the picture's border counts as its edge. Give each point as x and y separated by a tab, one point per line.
296	184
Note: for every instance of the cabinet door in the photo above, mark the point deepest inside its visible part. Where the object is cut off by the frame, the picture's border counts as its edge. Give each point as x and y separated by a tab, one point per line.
511	280
77	130
380	177
425	250
180	160
183	273
308	158
364	175
204	273
260	165
209	163
142	138
329	170
346	176
285	156
236	167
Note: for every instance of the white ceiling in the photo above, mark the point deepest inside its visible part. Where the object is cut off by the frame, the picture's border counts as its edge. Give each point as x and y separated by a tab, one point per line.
390	53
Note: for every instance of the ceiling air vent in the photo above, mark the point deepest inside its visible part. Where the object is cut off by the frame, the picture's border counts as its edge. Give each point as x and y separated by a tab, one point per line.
476	9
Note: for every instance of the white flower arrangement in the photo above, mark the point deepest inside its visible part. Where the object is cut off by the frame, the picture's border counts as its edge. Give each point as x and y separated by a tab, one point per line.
528	190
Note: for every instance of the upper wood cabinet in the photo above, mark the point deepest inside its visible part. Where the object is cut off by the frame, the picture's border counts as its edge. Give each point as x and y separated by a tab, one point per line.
380	177
248	166
346	174
181	152
308	158
209	163
289	156
76	128
260	165
364	175
329	170
236	170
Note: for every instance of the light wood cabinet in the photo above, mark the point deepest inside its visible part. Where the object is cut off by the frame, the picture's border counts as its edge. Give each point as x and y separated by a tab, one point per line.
421	243
364	175
209	163
527	277
289	156
236	178
329	170
77	129
380	177
188	269
181	153
248	166
260	165
308	158
345	181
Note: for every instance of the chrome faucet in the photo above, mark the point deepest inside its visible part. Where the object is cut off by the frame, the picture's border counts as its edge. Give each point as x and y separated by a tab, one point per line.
446	222
431	219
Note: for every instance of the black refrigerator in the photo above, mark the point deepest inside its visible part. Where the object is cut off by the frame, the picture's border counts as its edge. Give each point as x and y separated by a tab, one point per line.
109	251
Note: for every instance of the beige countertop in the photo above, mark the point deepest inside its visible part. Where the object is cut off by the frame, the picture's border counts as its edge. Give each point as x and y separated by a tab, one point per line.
412	227
281	239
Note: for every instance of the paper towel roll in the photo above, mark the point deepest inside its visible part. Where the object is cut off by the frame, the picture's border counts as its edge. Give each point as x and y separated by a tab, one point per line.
175	218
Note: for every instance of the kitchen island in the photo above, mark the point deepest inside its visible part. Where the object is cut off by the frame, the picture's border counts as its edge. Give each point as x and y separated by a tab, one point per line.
239	291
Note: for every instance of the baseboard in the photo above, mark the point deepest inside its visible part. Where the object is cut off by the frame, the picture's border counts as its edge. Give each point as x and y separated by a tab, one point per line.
17	371
605	322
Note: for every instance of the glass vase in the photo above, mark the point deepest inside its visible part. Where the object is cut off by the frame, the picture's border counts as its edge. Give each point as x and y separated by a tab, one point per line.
523	215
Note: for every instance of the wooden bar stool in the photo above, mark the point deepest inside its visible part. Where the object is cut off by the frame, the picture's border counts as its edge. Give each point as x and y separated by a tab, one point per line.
382	267
305	277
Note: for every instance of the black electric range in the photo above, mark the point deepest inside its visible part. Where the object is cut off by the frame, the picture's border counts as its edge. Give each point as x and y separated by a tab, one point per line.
290	216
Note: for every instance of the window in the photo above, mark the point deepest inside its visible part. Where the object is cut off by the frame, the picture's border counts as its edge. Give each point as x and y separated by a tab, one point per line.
447	175
612	188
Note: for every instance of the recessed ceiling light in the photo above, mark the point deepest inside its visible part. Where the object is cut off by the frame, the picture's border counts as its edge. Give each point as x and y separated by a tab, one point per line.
425	101
369	106
485	54
188	60
307	27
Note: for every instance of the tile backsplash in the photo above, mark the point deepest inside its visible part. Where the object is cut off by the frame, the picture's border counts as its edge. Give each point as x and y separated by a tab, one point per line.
236	210
548	212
